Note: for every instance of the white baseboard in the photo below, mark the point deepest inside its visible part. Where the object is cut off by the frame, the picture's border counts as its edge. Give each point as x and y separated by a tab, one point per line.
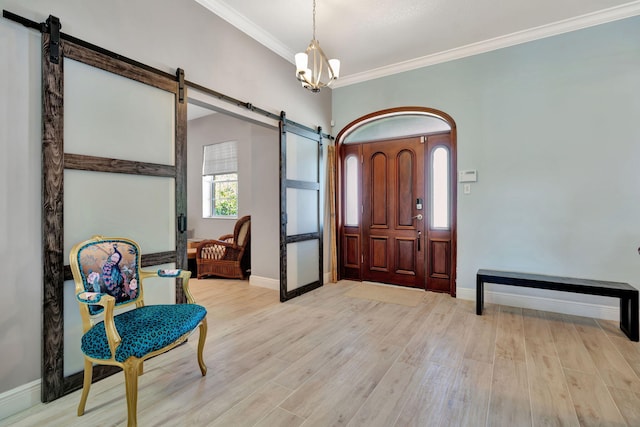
597	311
264	282
19	399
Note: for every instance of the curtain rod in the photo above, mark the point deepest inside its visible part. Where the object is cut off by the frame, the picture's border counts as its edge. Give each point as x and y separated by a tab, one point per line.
42	27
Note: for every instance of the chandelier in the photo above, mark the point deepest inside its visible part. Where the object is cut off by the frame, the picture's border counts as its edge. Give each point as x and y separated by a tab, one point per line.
313	69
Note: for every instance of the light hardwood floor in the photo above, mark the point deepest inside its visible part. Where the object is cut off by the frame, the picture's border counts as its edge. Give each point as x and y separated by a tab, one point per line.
326	359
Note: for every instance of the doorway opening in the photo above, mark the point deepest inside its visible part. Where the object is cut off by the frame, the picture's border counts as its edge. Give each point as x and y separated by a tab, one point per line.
256	154
397	199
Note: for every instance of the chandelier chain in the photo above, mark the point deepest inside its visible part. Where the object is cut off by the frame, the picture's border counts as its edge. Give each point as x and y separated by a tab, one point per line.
314	19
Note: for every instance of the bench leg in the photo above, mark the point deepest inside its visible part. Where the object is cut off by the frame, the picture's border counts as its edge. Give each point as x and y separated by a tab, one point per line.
479	295
629	317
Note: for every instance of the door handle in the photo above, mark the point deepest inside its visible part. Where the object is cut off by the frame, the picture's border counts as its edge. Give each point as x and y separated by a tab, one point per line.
419	217
182	223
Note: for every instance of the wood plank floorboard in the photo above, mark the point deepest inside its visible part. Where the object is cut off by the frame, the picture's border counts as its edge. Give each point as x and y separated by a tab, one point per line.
592	400
468	400
510	404
325	359
569	345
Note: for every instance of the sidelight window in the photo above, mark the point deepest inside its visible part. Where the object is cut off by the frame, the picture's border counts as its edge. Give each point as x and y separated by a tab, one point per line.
351	190
440	187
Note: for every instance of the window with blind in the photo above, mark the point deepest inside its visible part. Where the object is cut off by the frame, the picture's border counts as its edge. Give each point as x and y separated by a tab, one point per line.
220	180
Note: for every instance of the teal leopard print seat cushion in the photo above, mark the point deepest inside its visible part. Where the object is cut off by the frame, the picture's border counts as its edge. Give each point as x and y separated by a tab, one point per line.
144	330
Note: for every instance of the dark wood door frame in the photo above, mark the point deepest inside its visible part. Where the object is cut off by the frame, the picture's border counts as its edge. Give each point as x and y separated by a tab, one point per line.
351	268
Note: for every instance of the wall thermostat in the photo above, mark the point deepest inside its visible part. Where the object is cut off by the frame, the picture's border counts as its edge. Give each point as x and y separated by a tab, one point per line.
470	175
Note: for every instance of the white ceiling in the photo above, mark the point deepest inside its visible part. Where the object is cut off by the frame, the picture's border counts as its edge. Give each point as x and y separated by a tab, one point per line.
374	38
195	111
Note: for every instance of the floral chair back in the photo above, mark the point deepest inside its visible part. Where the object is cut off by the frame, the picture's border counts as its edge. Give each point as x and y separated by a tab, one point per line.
111	267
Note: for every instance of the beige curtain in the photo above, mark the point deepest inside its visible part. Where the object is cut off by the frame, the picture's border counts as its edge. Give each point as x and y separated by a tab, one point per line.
331	176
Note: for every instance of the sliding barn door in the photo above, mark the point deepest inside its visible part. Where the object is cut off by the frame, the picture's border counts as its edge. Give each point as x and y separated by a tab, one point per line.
301	254
114	164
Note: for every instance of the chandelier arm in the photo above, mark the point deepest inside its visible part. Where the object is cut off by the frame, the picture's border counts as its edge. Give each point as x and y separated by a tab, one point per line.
325	60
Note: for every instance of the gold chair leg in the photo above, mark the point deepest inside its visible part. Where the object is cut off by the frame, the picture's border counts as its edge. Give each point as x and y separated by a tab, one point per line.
88	376
131	373
201	339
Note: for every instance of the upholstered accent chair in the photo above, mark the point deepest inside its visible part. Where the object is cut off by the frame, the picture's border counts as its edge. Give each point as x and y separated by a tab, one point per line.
108	279
229	256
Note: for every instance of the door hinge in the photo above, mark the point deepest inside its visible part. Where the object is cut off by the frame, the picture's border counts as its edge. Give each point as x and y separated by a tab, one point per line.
362	259
423	139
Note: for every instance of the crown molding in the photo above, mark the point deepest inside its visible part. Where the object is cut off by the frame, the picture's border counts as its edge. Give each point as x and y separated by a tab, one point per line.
572	24
248	27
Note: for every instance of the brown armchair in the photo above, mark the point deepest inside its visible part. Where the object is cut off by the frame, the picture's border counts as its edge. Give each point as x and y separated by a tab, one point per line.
229	256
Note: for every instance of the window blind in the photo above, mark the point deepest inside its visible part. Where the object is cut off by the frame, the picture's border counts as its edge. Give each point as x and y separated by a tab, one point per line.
220	158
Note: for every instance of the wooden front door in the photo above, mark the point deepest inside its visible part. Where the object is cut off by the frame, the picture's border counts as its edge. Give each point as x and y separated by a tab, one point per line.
393	180
397	215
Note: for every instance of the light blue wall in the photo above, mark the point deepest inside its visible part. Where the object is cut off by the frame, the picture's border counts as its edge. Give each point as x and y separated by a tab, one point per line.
552	127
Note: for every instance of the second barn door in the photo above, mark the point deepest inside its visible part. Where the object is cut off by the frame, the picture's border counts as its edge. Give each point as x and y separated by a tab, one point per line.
301	253
393	189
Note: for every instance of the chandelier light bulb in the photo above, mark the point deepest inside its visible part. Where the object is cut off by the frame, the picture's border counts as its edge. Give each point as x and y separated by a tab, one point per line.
301	62
335	67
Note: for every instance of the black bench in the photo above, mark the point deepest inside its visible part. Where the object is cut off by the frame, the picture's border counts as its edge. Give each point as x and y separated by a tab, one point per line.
628	294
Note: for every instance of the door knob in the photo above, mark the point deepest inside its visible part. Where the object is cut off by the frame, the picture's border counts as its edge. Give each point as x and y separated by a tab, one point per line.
419	217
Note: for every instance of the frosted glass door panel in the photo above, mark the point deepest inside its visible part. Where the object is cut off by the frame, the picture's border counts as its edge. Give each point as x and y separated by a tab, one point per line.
106	115
302	158
302	264
159	290
73	359
302	211
138	207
